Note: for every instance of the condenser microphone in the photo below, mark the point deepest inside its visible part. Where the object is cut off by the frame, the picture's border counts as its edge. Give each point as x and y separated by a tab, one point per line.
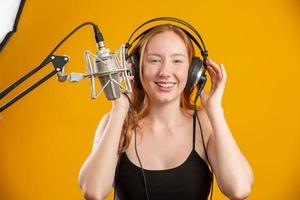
109	78
104	68
109	68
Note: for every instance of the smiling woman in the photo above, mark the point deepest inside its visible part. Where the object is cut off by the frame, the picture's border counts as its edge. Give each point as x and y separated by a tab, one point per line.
165	67
177	158
261	102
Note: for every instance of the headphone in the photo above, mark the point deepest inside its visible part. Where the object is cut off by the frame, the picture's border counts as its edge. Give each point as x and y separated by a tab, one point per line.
197	69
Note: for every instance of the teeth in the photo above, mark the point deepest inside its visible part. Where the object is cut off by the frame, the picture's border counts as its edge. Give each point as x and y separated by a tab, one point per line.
165	85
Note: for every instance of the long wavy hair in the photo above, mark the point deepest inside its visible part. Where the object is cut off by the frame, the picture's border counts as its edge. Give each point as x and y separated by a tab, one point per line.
140	99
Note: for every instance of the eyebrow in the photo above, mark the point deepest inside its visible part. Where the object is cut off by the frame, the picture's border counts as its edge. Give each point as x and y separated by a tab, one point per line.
174	54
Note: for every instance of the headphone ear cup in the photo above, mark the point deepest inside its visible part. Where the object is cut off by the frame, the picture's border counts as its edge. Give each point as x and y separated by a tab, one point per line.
196	75
134	59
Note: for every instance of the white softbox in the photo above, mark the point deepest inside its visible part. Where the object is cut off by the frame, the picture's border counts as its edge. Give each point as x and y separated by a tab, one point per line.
10	11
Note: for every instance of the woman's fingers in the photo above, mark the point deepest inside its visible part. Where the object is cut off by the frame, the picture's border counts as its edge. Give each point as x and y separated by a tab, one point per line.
217	73
216	68
224	73
219	70
212	77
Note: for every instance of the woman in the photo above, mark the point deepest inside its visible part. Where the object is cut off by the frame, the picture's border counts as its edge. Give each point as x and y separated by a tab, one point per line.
169	144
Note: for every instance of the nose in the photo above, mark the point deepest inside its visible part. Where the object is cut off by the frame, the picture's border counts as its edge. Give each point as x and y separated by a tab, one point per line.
163	70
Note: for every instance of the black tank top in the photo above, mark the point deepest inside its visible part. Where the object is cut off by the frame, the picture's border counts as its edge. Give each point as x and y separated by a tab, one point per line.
191	180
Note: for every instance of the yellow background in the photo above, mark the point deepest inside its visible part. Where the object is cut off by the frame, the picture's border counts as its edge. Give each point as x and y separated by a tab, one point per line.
46	136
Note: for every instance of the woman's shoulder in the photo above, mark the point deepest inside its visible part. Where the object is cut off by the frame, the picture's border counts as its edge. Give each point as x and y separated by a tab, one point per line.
204	122
202	114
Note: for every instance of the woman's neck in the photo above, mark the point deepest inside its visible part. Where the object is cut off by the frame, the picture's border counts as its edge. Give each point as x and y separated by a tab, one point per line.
168	114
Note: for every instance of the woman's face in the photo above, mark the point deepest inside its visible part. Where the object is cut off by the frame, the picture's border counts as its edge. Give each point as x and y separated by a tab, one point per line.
165	67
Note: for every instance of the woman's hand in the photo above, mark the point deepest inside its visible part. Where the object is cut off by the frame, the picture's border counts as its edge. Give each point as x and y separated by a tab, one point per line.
213	99
122	104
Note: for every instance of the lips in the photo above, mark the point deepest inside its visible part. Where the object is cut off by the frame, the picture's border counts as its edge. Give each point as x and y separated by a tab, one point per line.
165	85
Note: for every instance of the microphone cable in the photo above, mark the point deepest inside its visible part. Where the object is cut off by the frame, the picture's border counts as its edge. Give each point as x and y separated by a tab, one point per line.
98	36
136	152
205	150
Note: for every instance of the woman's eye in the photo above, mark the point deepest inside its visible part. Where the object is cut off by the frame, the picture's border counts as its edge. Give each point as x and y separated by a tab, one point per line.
154	61
177	61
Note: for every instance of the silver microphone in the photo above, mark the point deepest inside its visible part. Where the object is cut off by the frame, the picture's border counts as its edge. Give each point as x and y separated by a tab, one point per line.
111	70
109	78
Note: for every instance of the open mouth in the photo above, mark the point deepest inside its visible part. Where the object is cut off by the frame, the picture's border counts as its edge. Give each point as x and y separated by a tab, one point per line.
165	85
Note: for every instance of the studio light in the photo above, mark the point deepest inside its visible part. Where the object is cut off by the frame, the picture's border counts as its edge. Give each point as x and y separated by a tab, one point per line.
10	12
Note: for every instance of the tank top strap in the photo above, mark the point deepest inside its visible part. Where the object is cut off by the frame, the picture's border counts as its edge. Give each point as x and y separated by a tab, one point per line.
194	130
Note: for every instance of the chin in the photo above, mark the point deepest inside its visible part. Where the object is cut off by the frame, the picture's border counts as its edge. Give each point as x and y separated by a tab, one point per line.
164	99
163	96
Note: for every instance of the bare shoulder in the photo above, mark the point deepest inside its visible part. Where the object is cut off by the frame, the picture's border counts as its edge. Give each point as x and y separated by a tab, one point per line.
204	119
205	126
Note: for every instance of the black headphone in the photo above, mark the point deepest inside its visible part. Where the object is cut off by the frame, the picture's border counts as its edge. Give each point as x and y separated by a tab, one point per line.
196	74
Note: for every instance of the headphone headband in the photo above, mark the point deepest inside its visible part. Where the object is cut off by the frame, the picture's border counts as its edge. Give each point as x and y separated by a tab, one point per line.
203	50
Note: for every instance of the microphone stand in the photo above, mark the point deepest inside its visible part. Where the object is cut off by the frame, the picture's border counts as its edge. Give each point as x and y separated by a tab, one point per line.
118	66
58	63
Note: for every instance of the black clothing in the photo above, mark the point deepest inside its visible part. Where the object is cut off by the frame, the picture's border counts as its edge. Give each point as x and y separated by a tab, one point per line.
188	181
